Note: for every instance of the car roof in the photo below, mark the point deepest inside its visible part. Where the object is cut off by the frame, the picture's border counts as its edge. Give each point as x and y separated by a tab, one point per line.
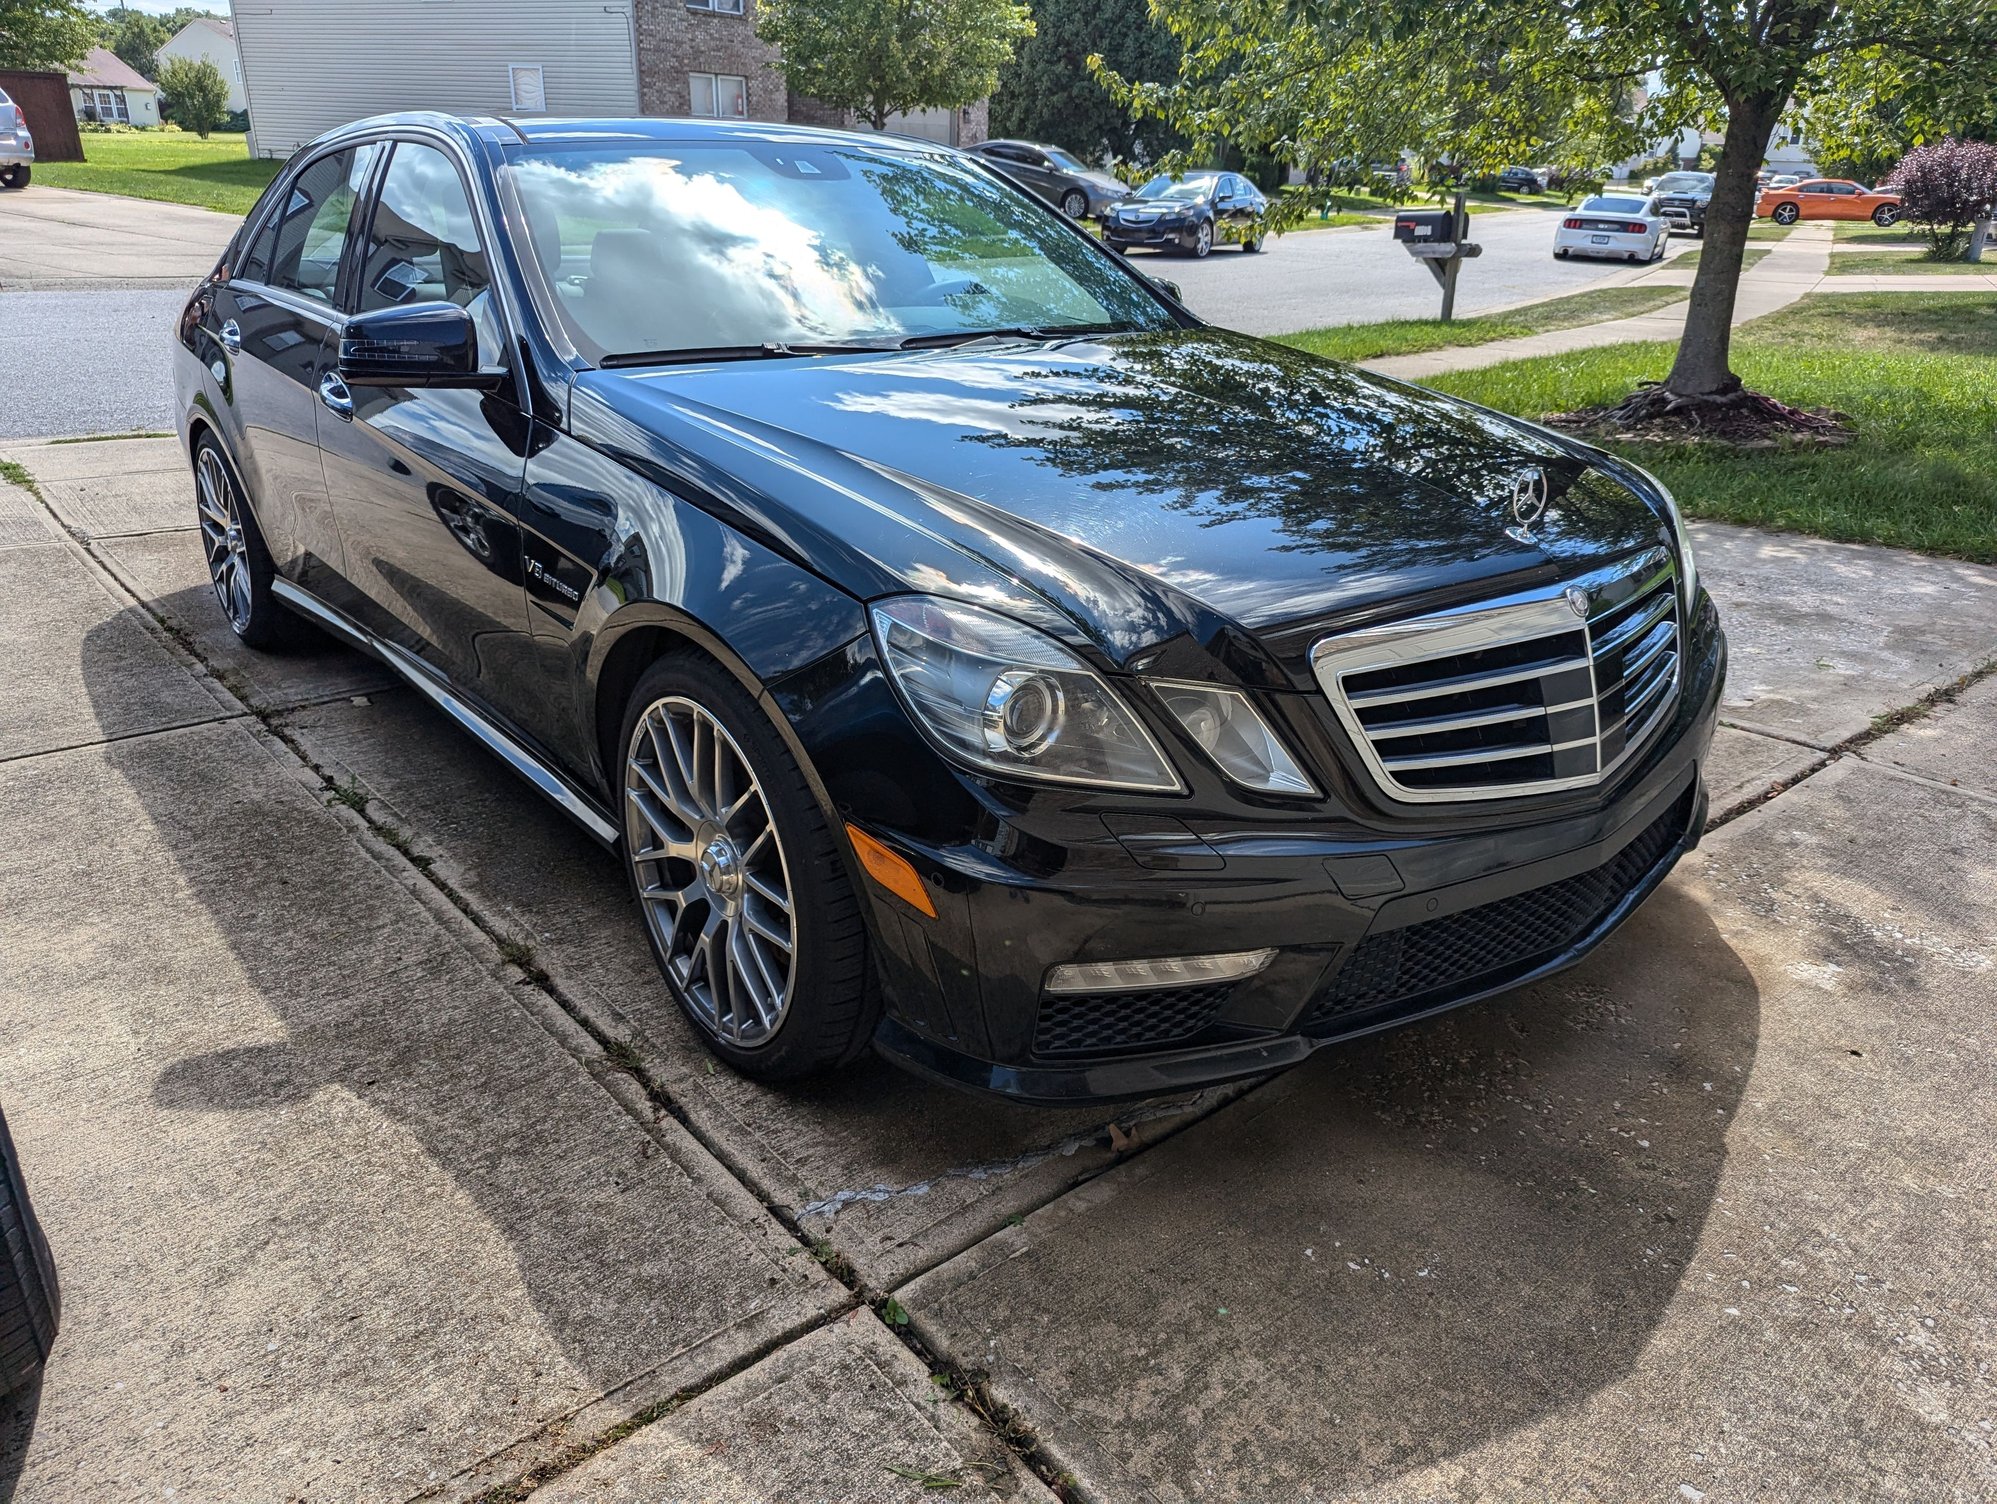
620	129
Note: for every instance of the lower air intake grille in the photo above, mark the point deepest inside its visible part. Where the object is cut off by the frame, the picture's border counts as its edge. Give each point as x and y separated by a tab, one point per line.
1098	1023
1474	949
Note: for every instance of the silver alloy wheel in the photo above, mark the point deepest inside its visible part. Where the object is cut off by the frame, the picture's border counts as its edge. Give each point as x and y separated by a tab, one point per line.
712	875
1203	240
222	537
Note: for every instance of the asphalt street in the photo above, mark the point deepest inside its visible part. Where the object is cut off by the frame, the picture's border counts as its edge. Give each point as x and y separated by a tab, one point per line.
86	362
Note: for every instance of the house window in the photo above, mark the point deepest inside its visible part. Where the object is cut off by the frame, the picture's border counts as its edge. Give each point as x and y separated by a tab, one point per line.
718	7
105	105
722	94
530	88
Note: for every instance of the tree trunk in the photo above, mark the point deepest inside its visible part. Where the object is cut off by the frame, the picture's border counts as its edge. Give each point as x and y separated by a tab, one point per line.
1702	368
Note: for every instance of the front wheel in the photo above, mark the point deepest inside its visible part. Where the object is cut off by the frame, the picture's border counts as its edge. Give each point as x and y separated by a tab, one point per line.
1251	243
741	881
1786	214
1203	242
1074	203
17	176
1886	216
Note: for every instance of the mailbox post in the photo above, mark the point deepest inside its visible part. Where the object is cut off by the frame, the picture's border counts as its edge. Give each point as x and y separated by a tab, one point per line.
1440	240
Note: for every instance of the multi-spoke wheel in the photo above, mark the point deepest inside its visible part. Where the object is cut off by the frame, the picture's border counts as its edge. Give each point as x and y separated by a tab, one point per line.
711	869
238	563
736	871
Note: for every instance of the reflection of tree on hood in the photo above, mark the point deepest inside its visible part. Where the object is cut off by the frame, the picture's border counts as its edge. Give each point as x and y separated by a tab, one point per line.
1228	429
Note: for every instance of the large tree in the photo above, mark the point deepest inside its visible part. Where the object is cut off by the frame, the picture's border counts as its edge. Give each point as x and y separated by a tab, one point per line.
38	34
883	57
1502	76
1048	93
136	38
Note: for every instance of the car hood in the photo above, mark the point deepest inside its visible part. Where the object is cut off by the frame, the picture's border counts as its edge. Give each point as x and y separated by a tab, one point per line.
1123	491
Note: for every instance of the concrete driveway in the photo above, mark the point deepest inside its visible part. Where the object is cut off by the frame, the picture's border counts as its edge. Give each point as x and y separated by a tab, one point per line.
378	1166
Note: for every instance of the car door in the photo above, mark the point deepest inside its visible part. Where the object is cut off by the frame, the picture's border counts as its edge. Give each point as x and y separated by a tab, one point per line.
425	482
271	322
1848	201
1815	200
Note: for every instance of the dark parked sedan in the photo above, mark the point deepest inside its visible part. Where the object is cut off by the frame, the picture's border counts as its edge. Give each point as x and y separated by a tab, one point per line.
969	653
1069	184
1192	214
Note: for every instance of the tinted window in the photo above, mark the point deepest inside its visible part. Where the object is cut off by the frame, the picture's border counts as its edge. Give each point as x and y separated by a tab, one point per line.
1061	159
423	245
1683	182
689	245
1814	188
1613	206
300	250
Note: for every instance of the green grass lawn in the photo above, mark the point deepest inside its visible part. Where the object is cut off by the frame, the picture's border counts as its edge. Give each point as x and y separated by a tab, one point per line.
1901	263
1867	233
1748	258
1768	229
180	168
1917	372
1411	336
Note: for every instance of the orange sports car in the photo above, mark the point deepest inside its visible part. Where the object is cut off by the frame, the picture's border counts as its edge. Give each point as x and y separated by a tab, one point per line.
1828	198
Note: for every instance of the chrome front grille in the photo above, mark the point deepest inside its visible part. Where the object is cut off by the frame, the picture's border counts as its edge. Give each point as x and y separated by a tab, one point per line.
1545	690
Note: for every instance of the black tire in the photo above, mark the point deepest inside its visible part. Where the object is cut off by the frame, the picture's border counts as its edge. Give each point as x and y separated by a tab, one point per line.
1075	204
17	176
1116	245
30	1302
1886	216
1250	244
1559	255
1785	214
833	1003
254	614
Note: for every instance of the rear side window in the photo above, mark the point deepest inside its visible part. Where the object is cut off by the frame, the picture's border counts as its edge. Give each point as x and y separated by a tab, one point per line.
300	249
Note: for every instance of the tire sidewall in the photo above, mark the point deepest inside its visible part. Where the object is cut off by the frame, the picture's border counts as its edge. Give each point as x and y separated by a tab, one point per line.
270	624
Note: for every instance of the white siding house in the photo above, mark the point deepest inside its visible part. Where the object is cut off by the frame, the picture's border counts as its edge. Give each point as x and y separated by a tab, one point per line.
207	40
310	65
103	88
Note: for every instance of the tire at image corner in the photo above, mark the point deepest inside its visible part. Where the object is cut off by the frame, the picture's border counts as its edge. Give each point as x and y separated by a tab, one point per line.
30	1301
16	177
835	1003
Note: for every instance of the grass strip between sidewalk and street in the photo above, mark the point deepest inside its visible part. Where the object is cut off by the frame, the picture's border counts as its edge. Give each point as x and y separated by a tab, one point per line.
1690	261
1916	372
175	167
1412	336
1903	264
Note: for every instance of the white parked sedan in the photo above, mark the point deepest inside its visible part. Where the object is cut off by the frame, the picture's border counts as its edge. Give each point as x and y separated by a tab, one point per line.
1623	226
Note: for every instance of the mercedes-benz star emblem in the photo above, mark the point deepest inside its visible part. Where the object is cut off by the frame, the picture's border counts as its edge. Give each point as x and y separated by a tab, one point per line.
1579	600
1530	499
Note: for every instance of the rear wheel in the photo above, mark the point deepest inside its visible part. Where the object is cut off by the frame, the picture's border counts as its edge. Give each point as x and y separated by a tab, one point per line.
740	879
1251	243
16	176
1886	216
1786	214
1559	255
239	564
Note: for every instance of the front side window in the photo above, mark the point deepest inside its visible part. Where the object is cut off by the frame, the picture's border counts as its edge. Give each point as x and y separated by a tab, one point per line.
300	249
423	244
701	245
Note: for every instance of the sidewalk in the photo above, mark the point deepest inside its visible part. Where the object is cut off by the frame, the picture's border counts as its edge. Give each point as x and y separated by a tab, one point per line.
1793	267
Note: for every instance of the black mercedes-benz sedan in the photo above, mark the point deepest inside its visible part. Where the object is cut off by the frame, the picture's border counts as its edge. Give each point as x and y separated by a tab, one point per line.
968	652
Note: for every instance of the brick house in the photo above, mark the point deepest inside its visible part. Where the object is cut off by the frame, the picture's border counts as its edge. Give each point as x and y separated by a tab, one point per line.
309	66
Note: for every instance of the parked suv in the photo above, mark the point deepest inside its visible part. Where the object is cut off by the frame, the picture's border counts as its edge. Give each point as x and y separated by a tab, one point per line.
1682	198
17	146
1070	185
968	653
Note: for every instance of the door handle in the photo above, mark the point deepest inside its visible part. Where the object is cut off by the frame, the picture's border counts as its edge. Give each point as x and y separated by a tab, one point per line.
333	392
232	336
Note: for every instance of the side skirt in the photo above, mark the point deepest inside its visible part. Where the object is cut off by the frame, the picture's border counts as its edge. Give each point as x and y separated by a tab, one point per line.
578	806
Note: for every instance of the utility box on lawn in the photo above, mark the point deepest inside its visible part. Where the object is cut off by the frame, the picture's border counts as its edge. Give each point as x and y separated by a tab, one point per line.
1425	225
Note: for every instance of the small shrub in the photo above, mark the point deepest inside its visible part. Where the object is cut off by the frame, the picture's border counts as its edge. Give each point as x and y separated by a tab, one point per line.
1945	189
196	93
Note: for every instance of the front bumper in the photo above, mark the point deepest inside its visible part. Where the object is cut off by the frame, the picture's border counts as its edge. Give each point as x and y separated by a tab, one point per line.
1370	932
1175	236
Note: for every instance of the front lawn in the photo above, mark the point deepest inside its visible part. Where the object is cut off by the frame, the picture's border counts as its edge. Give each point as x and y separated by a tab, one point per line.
1748	258
1917	372
1412	336
1901	263
1865	232
1768	229
178	167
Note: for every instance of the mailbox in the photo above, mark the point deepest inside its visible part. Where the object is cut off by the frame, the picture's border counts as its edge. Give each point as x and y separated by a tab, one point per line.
1425	225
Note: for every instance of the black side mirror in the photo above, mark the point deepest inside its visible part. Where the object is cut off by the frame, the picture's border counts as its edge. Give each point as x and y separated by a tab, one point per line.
1166	286
418	344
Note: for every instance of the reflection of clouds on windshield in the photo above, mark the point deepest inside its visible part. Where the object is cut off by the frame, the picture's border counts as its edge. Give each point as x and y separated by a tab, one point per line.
691	261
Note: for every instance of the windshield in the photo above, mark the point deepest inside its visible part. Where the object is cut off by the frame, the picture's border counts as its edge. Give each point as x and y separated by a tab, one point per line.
1188	189
1613	206
733	245
1679	182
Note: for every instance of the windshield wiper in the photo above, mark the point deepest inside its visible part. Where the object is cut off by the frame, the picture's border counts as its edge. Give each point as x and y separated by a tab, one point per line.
946	338
700	355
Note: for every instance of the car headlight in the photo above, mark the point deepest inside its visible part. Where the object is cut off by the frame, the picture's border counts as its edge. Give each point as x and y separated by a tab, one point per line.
1004	698
1232	732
